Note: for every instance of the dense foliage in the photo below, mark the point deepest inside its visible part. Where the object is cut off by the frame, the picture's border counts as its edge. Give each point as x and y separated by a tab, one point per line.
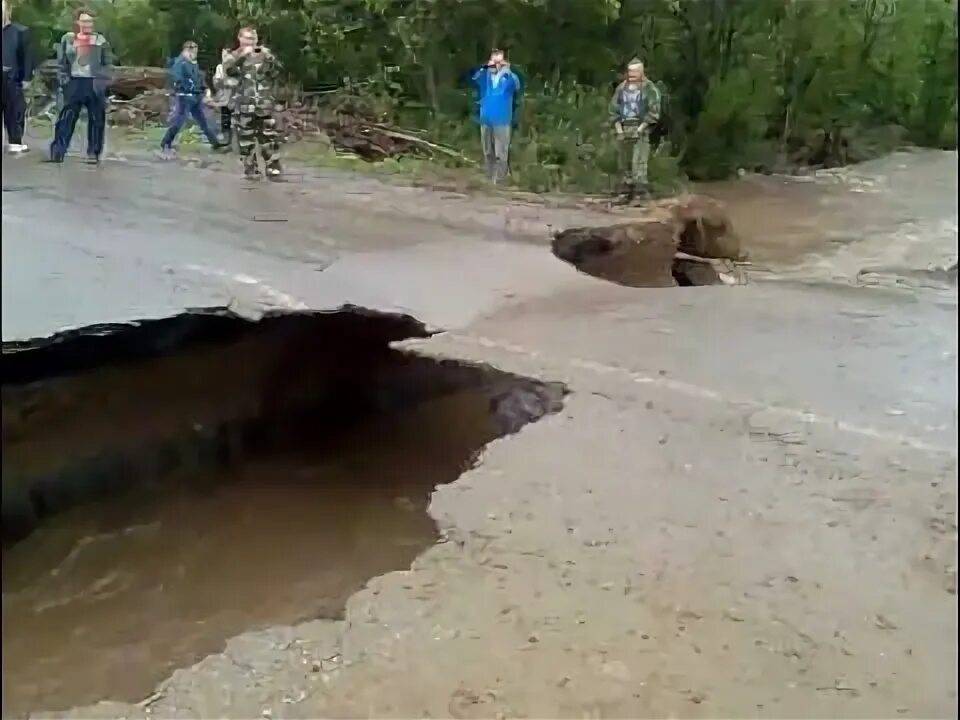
752	84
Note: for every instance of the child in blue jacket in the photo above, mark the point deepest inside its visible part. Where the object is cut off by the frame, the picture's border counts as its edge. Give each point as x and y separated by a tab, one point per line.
189	91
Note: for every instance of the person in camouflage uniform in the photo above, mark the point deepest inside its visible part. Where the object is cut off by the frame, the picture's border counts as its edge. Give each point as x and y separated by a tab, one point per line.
634	110
254	103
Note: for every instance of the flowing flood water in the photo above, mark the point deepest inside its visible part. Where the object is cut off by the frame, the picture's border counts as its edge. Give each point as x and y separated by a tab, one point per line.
109	599
895	217
105	600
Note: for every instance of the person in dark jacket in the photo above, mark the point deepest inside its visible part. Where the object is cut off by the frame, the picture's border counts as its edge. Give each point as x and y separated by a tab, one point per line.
84	64
189	91
17	73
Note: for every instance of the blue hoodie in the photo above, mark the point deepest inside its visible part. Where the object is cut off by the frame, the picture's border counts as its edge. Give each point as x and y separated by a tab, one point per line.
186	76
496	100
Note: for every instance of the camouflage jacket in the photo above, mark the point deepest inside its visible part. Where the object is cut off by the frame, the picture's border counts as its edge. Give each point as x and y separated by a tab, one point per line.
640	105
224	87
254	81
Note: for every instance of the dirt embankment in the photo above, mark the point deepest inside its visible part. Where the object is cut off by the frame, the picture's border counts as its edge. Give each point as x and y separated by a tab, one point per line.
684	241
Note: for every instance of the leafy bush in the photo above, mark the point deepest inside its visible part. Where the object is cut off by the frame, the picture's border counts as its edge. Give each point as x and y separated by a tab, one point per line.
754	84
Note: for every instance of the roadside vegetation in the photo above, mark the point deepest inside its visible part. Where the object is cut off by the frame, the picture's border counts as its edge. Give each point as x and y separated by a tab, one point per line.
757	85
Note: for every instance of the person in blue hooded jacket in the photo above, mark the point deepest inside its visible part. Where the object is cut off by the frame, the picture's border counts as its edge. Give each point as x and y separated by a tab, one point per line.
498	87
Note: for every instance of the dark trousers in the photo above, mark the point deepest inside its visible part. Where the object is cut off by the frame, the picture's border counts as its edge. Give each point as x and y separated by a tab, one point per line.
81	93
14	109
226	123
188	106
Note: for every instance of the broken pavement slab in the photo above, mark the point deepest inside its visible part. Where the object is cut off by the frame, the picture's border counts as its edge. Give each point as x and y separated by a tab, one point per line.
141	259
542	538
688	241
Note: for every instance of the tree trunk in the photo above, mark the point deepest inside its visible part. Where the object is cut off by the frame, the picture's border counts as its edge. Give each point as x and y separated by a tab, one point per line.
128	81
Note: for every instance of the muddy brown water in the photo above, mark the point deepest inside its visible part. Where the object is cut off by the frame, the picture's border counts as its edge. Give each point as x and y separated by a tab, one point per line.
104	599
898	213
107	600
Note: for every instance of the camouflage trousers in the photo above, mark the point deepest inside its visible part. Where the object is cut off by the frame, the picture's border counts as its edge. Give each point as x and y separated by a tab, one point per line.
634	156
253	129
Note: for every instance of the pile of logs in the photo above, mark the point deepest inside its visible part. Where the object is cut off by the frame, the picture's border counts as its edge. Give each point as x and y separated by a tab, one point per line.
148	108
140	96
352	130
127	81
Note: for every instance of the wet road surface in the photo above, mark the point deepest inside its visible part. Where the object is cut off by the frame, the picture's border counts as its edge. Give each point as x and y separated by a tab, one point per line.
746	508
200	239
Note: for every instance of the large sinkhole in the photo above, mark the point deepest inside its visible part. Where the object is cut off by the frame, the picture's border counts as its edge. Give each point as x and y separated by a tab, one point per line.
683	243
171	484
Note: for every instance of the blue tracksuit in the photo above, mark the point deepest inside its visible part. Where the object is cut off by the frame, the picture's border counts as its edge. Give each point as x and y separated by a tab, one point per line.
188	87
498	92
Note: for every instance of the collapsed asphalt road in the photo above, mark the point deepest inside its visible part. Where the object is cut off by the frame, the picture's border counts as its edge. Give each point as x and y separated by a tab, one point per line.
745	508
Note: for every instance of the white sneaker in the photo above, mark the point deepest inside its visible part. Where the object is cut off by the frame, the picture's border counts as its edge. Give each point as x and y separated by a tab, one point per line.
17	149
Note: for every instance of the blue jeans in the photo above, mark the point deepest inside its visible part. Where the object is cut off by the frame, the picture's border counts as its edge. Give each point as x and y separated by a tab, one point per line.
188	106
81	93
495	140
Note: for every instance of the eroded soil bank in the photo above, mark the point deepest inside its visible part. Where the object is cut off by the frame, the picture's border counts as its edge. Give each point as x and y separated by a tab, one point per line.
746	508
171	486
684	241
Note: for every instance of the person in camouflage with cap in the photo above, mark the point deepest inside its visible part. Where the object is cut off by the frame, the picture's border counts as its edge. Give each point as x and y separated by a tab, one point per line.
255	104
634	110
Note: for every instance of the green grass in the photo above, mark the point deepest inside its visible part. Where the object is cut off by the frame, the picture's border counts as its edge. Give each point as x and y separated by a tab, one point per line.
563	146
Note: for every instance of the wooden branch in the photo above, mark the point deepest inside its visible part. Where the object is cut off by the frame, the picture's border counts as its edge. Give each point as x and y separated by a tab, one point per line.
726	270
420	142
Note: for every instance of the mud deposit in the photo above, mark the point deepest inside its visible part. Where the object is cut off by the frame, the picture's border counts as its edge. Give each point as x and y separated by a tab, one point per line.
177	488
644	253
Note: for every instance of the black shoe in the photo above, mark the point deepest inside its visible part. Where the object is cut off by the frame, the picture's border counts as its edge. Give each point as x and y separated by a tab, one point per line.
55	159
252	175
220	147
93	159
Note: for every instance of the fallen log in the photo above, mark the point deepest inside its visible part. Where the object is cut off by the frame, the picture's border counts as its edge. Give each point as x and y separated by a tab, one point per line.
426	145
148	108
127	81
708	271
374	141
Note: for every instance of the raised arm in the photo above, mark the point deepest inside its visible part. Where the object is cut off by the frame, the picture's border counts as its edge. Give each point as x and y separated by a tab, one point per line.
232	62
616	119
63	62
273	66
652	103
517	84
106	58
478	75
